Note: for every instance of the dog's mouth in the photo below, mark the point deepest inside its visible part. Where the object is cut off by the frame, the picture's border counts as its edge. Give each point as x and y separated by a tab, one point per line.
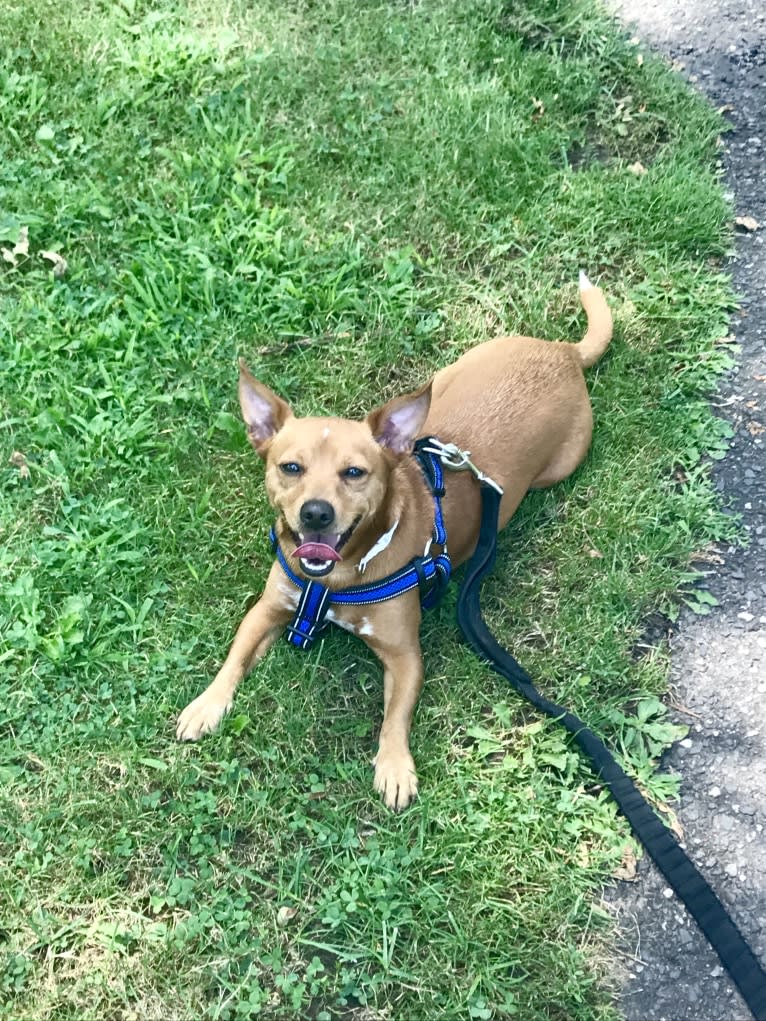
319	552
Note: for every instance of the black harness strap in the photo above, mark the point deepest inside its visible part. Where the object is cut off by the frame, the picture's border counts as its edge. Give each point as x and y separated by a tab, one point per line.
672	861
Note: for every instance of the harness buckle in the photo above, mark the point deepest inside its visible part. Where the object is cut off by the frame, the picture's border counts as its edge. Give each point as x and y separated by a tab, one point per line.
431	589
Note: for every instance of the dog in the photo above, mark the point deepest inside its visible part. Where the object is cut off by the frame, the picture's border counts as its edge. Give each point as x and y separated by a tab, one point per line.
350	498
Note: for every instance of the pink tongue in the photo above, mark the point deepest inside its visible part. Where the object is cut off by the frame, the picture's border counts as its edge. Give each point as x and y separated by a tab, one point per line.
317	551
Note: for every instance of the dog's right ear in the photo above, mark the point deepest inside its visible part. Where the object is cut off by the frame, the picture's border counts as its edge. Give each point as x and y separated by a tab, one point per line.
264	413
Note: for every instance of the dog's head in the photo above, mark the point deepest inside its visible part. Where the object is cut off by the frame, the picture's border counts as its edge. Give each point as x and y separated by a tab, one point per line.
328	478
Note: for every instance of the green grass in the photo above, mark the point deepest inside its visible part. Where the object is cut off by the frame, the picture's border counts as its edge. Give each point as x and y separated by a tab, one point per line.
348	195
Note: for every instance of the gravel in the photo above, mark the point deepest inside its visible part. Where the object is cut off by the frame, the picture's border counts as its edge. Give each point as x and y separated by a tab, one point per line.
667	971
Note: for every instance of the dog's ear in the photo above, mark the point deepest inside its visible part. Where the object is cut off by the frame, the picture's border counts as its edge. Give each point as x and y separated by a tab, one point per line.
398	424
264	413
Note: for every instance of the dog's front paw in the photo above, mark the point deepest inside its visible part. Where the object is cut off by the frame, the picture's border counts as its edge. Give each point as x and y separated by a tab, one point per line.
395	779
201	716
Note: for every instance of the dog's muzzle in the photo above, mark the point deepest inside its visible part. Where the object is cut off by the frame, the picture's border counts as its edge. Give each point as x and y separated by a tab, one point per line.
319	552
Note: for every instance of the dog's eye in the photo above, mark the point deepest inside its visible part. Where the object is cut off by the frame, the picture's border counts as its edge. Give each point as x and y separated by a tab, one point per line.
290	468
353	473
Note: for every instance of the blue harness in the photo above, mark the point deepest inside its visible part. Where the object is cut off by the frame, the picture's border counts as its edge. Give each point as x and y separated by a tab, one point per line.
428	573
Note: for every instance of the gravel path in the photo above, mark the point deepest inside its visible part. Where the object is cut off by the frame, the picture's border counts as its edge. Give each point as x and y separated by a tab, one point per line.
718	662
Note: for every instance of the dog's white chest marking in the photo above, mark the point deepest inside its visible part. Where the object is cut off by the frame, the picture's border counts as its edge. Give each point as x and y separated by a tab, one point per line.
383	543
333	617
289	596
364	627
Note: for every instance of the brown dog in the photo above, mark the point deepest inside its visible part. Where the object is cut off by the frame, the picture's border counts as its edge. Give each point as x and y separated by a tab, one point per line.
351	498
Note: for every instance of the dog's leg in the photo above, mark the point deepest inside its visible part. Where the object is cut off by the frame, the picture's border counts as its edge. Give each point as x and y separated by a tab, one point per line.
395	777
255	636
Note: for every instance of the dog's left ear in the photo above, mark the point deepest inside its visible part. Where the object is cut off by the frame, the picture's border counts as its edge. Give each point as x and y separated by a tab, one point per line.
264	413
398	424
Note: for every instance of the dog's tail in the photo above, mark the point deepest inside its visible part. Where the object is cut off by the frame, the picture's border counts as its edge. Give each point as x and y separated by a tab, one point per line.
599	332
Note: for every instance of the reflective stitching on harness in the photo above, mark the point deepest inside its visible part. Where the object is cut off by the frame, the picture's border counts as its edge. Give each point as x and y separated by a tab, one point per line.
429	573
310	616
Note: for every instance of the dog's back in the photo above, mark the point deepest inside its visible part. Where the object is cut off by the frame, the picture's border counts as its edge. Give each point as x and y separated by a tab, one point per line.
520	405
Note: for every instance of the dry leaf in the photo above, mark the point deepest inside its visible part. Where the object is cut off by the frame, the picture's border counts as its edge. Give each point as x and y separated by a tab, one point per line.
752	405
626	870
20	248
22	245
726	108
755	428
284	915
637	168
728	339
595	554
539	109
707	557
661	806
640	60
59	266
18	460
761	379
747	222
673	821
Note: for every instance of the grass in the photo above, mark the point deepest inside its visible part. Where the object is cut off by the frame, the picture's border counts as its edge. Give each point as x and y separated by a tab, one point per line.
348	195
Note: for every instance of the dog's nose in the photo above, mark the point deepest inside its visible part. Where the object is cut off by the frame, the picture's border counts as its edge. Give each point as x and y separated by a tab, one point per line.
317	515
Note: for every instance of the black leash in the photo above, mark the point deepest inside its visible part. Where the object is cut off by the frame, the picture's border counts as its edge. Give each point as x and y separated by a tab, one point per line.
672	861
